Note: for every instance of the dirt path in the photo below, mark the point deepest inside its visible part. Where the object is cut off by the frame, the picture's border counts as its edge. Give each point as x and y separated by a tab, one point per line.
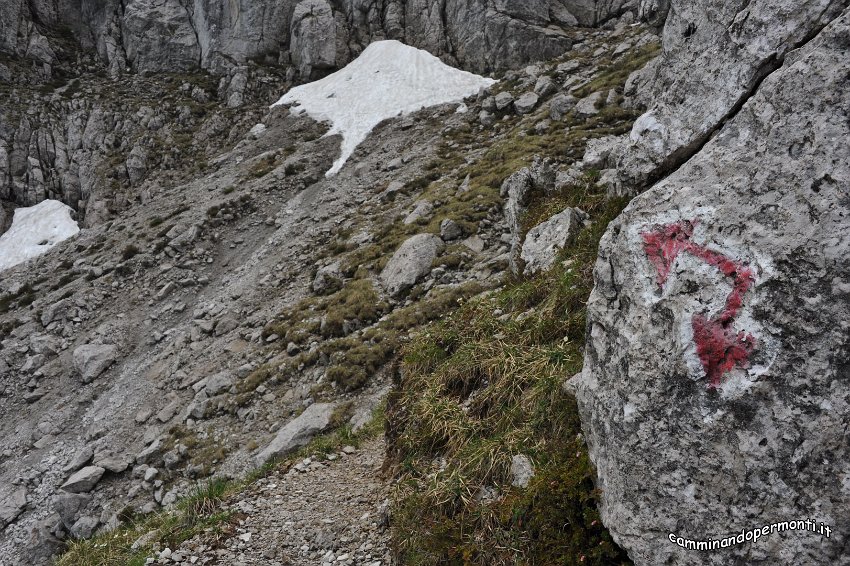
320	511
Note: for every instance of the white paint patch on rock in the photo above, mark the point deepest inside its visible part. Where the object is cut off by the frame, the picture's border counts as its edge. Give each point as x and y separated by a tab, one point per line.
695	286
388	79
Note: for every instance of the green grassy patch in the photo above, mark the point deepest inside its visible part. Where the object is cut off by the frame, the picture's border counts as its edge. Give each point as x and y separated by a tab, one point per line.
484	385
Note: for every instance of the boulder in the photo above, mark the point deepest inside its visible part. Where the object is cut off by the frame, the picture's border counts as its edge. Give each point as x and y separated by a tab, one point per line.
136	165
545	86
715	382
526	103
503	100
422	210
91	360
328	279
12	503
83	480
517	190
218	383
544	241
450	230
410	263
80	459
225	325
560	105
589	105
69	506
486	118
315	419
84	527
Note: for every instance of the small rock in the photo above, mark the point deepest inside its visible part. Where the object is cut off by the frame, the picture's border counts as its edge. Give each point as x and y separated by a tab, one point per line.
588	106
84	480
544	241
522	470
12	504
84	527
526	103
298	432
450	230
410	263
545	86
503	100
91	360
422	210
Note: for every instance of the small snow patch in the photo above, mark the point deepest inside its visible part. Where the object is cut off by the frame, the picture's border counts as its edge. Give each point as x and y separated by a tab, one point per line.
35	230
388	79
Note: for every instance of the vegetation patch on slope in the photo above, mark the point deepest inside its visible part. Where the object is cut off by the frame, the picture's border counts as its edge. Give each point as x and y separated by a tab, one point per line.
483	386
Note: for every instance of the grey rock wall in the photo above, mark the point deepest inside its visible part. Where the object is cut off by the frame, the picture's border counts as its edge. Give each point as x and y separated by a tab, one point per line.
58	150
715	390
715	55
482	35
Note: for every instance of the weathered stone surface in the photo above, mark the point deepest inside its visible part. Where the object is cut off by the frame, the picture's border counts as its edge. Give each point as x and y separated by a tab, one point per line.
313	36
517	190
298	432
526	103
84	527
69	506
450	230
80	459
544	241
503	100
522	470
560	105
218	383
328	279
84	480
589	105
715	382
12	503
91	360
410	263
159	36
699	82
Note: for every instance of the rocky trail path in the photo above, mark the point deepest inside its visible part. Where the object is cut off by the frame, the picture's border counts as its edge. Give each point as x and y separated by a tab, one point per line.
322	510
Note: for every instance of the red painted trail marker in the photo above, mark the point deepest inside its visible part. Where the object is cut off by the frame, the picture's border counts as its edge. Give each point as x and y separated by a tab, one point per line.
720	348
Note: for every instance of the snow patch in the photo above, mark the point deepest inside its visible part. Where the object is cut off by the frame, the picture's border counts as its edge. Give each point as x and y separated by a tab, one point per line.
388	79
35	230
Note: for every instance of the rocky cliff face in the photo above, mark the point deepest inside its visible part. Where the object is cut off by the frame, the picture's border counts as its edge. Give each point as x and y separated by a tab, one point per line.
714	391
173	35
57	144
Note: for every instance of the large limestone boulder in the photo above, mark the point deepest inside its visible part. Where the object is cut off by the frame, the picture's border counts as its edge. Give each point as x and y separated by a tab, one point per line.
298	432
410	263
715	394
91	360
